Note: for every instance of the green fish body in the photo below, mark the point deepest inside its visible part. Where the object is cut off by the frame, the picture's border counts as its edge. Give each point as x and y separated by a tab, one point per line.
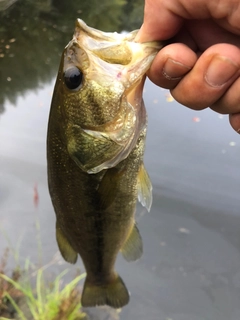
95	147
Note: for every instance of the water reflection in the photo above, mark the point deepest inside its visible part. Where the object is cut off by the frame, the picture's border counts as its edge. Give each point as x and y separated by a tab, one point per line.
34	33
4	4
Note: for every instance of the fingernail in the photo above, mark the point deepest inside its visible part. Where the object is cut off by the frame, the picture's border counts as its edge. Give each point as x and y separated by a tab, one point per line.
174	70
220	71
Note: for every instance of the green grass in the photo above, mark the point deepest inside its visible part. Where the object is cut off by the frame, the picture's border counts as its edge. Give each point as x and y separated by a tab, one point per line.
47	302
32	298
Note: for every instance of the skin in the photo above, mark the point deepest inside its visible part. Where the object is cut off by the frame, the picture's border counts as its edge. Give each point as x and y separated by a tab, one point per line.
203	53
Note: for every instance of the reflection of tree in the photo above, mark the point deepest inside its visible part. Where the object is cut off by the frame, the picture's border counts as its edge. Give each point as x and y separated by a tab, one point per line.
133	15
104	15
26	49
4	4
34	33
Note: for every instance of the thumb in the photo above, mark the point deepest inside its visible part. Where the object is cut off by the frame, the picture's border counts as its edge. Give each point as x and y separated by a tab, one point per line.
159	23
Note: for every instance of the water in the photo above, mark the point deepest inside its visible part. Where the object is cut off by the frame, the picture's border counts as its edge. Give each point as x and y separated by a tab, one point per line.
190	269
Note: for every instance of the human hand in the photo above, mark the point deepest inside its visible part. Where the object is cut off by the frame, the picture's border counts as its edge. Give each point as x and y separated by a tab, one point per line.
201	65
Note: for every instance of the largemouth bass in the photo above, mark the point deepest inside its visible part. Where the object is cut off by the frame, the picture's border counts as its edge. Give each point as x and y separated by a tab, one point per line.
95	146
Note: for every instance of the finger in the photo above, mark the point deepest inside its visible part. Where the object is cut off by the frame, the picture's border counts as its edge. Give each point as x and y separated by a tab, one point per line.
159	22
171	64
230	101
214	72
205	33
234	120
163	18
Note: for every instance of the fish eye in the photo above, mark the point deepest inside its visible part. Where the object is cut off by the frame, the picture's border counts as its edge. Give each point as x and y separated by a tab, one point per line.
73	78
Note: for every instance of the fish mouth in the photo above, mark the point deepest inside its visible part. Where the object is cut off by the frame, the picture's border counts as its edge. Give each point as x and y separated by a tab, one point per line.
115	48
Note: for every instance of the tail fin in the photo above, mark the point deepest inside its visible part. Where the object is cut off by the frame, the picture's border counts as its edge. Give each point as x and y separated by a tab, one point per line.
113	294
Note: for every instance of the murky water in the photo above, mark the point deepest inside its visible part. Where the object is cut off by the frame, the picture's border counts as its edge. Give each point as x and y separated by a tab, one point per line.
190	269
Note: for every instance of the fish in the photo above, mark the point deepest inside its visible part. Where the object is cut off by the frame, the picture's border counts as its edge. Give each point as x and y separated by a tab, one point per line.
95	147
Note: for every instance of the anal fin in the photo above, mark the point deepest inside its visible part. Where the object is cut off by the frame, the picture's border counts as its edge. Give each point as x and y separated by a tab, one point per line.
144	188
68	253
133	247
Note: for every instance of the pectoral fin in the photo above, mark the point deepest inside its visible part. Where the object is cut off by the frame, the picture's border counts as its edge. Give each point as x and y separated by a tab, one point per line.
65	248
133	247
144	188
108	187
